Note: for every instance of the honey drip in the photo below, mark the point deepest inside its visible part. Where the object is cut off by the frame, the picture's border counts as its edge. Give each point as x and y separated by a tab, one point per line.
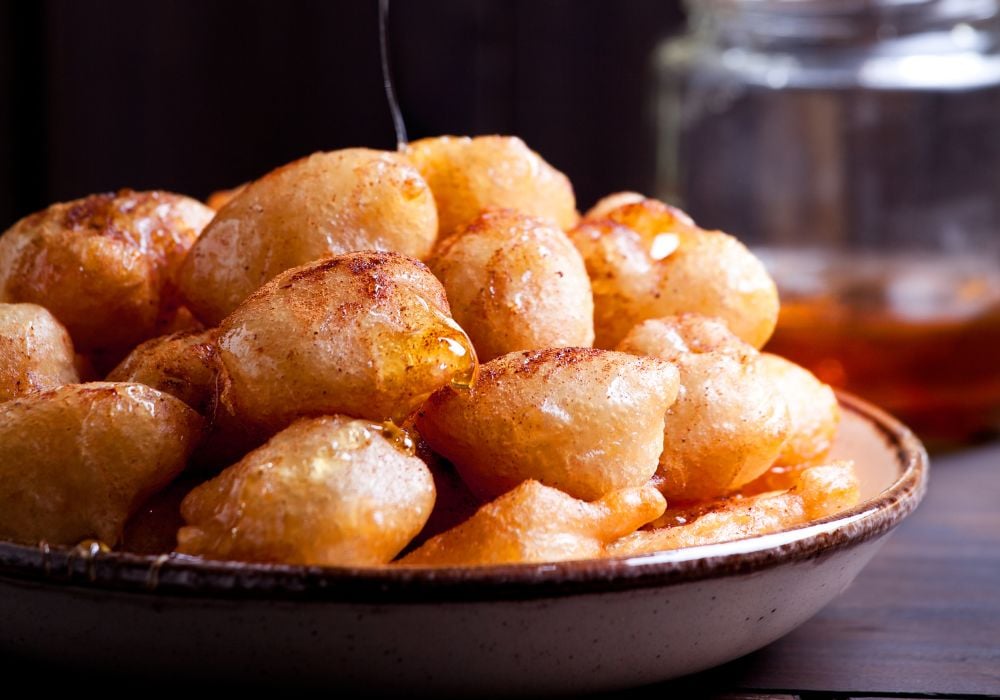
399	437
87	551
153	576
390	90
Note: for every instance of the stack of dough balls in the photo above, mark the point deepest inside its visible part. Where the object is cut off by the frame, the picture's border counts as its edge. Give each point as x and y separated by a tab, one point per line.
421	358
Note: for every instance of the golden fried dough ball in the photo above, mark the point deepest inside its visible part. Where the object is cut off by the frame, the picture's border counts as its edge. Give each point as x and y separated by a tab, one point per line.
607	204
646	260
812	408
536	523
325	491
684	334
729	422
468	175
221	198
35	351
515	282
185	365
582	420
365	334
105	266
77	461
322	205
817	492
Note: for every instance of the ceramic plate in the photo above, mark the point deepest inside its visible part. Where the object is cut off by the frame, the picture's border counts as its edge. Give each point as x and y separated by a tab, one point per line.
566	627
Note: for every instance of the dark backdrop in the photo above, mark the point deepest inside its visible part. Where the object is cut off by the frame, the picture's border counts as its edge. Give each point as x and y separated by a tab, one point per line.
194	96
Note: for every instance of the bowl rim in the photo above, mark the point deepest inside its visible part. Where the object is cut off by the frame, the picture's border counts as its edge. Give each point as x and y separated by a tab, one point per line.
176	575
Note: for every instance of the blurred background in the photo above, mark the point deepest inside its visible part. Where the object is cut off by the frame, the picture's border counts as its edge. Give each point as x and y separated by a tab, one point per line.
199	96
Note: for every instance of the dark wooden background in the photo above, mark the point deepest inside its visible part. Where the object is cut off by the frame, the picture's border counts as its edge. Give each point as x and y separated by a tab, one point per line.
193	96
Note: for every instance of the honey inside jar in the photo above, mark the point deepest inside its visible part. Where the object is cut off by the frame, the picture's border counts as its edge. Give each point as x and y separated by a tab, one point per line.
918	336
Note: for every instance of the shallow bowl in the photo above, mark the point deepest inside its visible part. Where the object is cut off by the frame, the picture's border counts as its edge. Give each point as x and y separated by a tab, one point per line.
567	627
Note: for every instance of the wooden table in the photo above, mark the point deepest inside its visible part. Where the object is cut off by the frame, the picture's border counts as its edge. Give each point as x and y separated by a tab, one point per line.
922	620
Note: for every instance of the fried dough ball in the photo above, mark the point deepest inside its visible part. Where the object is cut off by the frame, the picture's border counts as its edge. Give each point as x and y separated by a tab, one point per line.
330	491
816	493
322	205
35	351
536	523
812	408
185	365
516	282
609	203
647	260
105	266
582	420
221	198
77	461
469	175
729	422
365	334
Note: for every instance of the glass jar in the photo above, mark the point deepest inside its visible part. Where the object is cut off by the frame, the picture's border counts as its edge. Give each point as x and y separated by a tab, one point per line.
855	146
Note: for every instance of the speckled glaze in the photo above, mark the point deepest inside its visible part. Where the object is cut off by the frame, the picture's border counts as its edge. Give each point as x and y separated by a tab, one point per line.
566	627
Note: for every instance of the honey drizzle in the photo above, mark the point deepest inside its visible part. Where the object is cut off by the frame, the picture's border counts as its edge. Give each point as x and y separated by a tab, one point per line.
387	83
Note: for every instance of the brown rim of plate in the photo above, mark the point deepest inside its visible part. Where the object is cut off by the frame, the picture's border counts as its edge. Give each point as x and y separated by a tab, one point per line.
187	577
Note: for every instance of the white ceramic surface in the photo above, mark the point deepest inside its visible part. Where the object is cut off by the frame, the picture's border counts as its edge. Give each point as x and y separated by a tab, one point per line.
569	627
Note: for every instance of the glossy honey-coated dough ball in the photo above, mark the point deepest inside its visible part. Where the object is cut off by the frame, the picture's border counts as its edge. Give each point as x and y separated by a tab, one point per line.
77	461
812	409
105	265
585	421
322	205
36	352
647	260
469	175
185	365
364	334
516	282
816	492
729	422
534	523
329	491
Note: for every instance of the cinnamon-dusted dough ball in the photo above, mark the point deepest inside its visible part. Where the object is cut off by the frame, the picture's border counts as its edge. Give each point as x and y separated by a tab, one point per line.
647	260
729	422
322	205
516	282
329	491
77	461
469	175
185	365
364	334
105	265
534	523
35	351
585	421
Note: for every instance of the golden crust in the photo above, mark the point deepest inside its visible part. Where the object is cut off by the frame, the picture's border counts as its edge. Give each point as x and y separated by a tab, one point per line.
330	491
364	334
516	282
468	175
105	265
582	420
647	260
36	352
536	523
96	452
321	205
